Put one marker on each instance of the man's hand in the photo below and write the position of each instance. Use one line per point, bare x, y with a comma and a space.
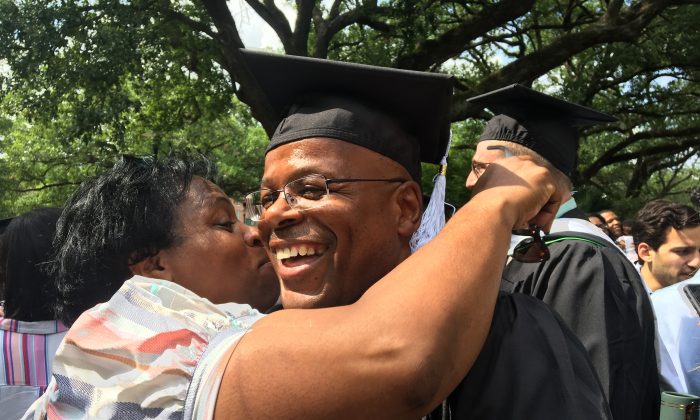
528, 192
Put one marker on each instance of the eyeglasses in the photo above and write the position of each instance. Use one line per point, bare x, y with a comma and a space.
532, 249
301, 194
478, 168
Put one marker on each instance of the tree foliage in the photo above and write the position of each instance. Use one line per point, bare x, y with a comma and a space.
84, 81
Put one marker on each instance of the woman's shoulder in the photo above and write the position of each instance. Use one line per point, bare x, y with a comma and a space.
148, 338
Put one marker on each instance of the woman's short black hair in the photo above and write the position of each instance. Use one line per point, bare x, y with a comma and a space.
28, 290
121, 217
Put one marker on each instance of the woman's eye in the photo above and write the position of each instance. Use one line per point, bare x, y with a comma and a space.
228, 224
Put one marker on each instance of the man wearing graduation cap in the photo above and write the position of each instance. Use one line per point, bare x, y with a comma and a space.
586, 279
340, 201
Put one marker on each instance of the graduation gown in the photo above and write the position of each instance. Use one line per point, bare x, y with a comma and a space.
599, 295
531, 367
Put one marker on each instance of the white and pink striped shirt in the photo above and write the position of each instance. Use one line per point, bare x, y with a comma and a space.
154, 350
28, 350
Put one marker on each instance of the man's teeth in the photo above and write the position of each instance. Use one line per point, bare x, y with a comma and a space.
301, 250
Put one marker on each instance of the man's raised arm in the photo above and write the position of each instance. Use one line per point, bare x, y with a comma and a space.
411, 338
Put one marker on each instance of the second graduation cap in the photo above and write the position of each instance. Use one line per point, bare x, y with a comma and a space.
401, 114
542, 123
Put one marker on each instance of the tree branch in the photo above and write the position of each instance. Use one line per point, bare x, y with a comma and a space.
452, 42
368, 14
300, 38
648, 165
613, 155
613, 12
230, 44
196, 26
43, 187
629, 26
276, 19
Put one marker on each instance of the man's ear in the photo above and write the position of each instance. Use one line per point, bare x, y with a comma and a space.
151, 267
644, 252
410, 204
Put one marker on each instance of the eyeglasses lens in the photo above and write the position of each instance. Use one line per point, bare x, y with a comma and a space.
479, 168
301, 194
306, 192
253, 208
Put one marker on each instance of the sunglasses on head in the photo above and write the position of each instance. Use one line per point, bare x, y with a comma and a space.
531, 249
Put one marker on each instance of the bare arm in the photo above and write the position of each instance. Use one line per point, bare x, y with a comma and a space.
410, 339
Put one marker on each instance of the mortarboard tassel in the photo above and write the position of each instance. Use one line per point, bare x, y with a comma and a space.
433, 219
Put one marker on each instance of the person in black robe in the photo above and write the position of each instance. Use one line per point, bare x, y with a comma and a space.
587, 280
532, 366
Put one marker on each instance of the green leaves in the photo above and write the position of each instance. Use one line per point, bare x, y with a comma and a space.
82, 82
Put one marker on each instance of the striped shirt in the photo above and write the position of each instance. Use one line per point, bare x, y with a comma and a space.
28, 350
154, 350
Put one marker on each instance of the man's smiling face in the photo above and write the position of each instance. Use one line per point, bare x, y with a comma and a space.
331, 254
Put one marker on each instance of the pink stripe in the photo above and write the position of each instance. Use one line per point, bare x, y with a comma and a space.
24, 359
39, 361
18, 359
30, 359
17, 369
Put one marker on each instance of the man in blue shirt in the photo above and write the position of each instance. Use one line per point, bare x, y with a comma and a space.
678, 331
667, 235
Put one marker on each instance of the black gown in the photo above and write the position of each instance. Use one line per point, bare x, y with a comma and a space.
531, 367
599, 295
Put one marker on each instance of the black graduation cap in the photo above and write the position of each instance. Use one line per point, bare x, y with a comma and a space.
401, 114
540, 122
